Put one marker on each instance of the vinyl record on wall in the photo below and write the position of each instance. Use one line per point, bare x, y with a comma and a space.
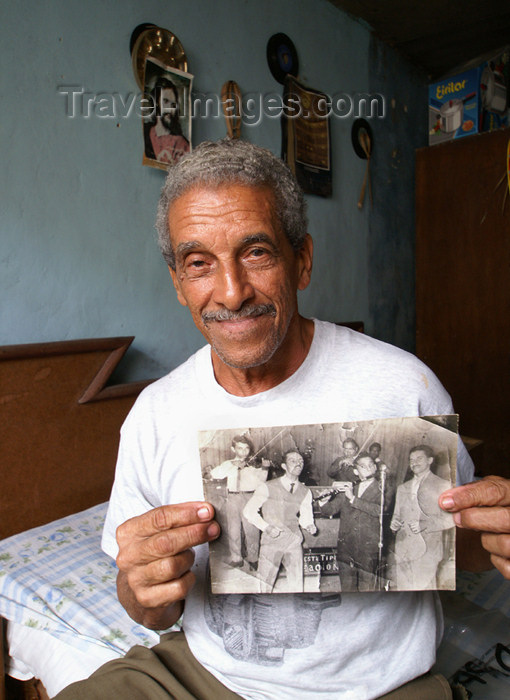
282, 57
360, 126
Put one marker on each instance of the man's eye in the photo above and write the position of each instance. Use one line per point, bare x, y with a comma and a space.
195, 267
257, 252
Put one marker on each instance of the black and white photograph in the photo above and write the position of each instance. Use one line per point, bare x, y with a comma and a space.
332, 507
167, 124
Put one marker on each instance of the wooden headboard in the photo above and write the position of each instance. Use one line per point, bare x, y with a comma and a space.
59, 428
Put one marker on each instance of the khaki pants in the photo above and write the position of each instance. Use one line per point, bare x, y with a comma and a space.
170, 671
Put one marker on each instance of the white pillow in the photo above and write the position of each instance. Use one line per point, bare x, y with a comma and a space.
34, 653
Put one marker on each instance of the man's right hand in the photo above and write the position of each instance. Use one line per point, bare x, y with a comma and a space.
155, 559
396, 525
272, 531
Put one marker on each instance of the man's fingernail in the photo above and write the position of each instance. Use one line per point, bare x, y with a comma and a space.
203, 513
447, 502
213, 530
457, 519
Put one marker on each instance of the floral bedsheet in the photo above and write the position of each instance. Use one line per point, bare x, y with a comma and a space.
56, 578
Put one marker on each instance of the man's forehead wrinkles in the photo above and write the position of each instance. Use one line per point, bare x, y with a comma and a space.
202, 221
211, 202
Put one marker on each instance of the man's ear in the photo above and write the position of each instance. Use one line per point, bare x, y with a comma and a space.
175, 280
305, 256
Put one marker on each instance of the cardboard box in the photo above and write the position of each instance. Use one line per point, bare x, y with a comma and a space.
470, 102
494, 88
454, 107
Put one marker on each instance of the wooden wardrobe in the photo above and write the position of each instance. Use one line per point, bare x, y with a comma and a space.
463, 283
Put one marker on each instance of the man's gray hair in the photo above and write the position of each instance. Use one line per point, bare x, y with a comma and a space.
234, 162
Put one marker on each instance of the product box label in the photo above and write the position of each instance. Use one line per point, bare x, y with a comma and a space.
454, 107
470, 102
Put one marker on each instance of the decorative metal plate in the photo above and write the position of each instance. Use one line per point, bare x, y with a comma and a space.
150, 40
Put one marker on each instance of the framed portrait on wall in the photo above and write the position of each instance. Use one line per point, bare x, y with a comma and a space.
167, 114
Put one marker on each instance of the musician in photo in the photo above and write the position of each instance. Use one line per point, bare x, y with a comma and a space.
375, 452
342, 469
419, 523
361, 507
280, 508
243, 478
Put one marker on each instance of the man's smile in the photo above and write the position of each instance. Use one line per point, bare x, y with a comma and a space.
248, 311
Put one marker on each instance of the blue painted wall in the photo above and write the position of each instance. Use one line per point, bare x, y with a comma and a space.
77, 250
390, 254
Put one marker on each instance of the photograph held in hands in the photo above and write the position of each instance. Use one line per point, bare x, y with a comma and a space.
332, 507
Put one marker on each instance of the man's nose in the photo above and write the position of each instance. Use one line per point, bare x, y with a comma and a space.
232, 287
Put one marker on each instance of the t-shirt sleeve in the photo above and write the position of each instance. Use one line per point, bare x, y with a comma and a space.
465, 466
130, 494
436, 401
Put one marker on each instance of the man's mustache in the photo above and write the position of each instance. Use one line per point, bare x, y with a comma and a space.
247, 311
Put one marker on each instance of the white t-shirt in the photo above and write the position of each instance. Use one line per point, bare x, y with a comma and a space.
355, 646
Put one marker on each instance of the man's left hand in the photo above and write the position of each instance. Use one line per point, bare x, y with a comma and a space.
484, 506
415, 526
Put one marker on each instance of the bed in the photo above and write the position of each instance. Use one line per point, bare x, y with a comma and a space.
60, 417
59, 426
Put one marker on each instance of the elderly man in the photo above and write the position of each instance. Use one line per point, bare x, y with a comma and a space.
233, 231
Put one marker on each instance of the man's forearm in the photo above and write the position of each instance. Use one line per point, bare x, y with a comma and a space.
152, 618
251, 510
